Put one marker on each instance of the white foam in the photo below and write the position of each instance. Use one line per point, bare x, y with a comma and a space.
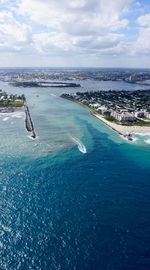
134, 139
31, 138
80, 145
5, 119
17, 114
147, 141
12, 114
142, 134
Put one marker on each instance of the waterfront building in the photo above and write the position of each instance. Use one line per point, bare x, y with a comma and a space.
123, 117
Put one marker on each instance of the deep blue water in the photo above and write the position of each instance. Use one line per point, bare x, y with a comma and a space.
90, 212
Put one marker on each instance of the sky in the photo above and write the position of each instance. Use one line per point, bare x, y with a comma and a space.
75, 33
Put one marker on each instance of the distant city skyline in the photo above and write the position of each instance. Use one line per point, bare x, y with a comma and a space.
75, 33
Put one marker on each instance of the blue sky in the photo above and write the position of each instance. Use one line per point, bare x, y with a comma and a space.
98, 33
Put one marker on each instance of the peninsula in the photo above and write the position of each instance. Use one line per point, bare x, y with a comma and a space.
43, 84
10, 102
126, 112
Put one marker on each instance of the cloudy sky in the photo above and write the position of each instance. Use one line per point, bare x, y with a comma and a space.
94, 33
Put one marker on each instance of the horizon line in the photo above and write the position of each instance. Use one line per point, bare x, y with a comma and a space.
62, 67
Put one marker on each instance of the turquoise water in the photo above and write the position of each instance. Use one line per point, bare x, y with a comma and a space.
61, 208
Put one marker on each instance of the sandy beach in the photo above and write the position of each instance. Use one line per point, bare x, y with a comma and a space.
123, 130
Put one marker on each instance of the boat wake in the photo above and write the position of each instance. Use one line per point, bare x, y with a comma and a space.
6, 118
31, 138
80, 145
147, 141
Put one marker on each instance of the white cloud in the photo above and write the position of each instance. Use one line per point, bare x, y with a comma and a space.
13, 35
68, 29
63, 43
76, 25
144, 20
77, 17
52, 42
100, 42
142, 44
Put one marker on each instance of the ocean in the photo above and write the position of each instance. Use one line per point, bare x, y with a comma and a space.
77, 197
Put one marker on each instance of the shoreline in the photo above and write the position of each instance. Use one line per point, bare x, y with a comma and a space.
11, 109
120, 129
124, 130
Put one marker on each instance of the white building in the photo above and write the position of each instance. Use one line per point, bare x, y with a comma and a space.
123, 117
147, 115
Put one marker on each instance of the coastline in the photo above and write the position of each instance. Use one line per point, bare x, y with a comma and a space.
11, 109
124, 130
121, 130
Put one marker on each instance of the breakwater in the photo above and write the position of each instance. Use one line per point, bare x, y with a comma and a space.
28, 122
